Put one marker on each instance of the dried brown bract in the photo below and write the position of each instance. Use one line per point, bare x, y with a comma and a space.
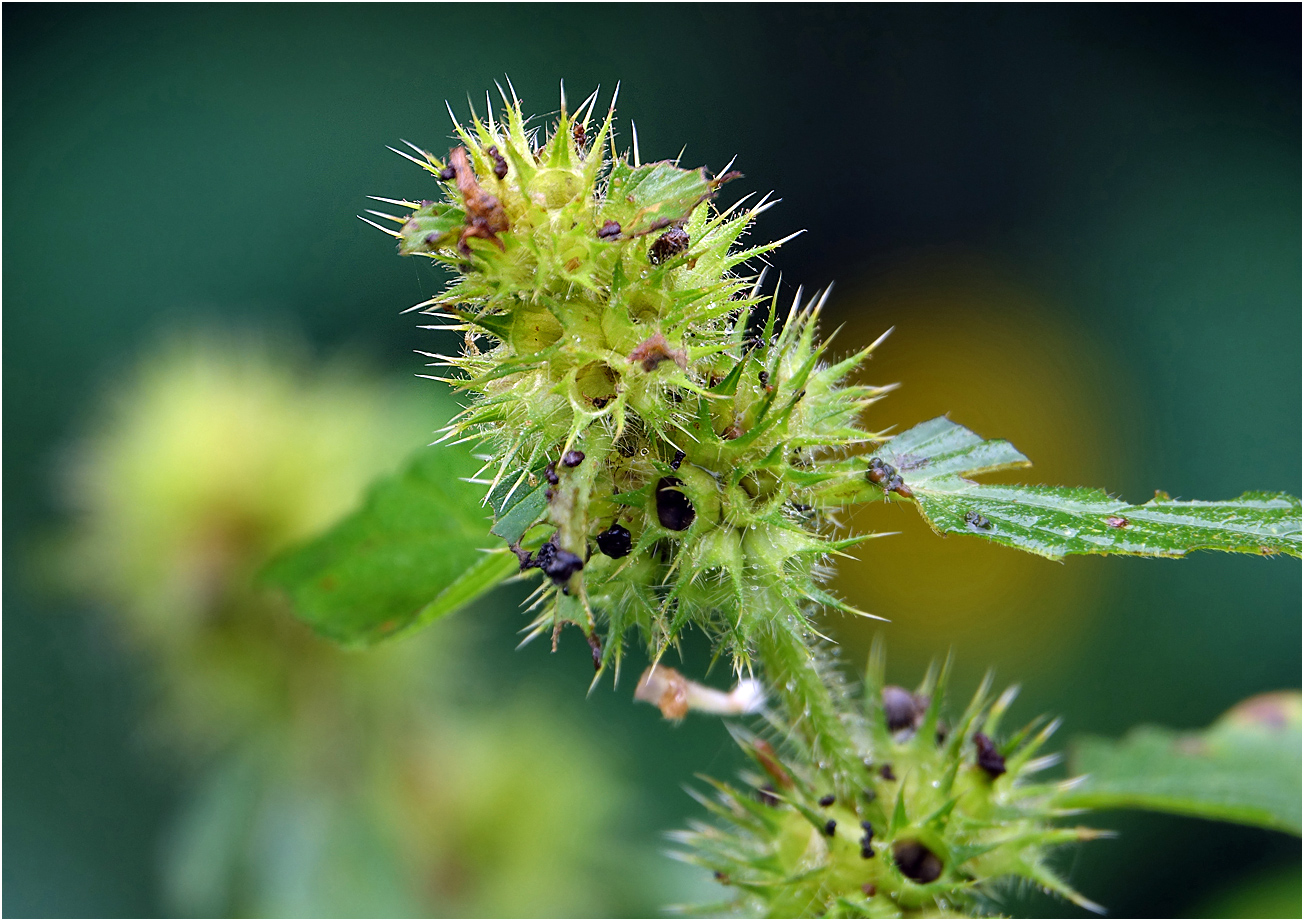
656, 349
485, 217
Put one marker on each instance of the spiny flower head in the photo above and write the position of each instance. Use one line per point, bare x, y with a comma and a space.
657, 453
947, 813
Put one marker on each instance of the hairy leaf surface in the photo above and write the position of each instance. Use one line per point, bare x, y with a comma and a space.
1244, 768
935, 459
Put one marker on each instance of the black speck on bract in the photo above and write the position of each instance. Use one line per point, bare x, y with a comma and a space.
989, 759
500, 165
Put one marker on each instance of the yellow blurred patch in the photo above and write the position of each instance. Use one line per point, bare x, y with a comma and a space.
975, 345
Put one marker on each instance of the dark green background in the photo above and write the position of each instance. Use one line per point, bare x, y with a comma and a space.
1138, 165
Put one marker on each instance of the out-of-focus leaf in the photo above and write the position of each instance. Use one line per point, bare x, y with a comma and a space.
935, 458
1245, 768
412, 553
484, 575
1274, 893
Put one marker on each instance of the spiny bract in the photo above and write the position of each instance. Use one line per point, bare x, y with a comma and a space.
946, 813
662, 442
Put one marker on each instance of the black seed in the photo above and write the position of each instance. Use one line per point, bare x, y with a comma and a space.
610, 230
549, 493
447, 173
900, 708
561, 565
677, 460
866, 851
550, 473
615, 542
500, 165
674, 509
886, 772
830, 827
764, 378
573, 458
989, 759
916, 862
667, 246
828, 799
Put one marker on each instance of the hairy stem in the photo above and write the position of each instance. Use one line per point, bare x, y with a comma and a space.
797, 677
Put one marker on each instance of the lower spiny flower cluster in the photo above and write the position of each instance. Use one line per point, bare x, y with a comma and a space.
942, 815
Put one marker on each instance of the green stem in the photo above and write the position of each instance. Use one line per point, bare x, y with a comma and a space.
796, 677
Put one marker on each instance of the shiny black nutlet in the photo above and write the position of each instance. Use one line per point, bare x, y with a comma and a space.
615, 542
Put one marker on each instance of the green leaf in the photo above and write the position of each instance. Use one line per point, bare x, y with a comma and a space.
409, 555
1245, 768
655, 195
525, 507
935, 458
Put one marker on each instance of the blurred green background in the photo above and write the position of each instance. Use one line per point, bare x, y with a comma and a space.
1084, 223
